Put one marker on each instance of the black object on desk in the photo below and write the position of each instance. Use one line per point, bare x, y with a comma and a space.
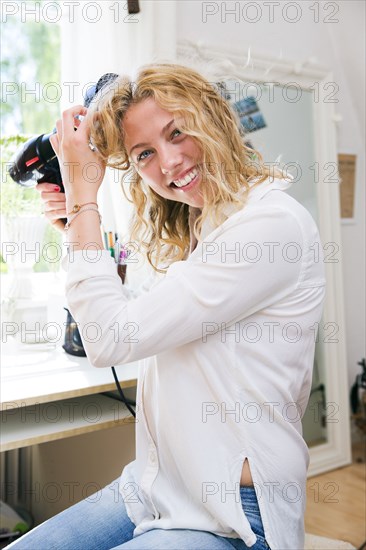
73, 344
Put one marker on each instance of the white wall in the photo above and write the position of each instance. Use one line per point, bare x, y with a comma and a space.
334, 37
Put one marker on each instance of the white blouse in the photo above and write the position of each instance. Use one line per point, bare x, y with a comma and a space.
225, 343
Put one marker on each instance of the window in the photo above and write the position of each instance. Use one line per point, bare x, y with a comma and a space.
31, 249
30, 104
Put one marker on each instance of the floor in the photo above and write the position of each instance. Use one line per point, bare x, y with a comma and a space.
336, 501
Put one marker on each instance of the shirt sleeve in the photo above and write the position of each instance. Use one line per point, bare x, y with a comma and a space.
249, 264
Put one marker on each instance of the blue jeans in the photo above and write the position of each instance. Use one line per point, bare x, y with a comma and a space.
103, 524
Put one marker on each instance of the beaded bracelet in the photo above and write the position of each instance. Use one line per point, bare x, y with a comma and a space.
69, 222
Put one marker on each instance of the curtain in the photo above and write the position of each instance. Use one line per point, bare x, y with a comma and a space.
100, 37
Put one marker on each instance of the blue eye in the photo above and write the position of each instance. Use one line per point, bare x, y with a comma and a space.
145, 154
141, 155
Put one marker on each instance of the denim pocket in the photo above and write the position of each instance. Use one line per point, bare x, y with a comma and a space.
251, 509
262, 543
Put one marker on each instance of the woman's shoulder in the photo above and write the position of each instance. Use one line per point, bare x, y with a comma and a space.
266, 203
272, 195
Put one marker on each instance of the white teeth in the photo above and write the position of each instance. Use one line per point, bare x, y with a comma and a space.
187, 179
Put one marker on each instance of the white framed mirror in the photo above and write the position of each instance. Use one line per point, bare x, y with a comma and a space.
296, 106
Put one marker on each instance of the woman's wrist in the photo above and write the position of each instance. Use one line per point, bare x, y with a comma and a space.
77, 199
79, 206
83, 229
79, 210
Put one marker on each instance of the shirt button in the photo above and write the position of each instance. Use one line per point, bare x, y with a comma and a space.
152, 457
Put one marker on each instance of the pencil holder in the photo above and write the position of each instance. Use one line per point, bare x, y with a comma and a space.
121, 254
121, 270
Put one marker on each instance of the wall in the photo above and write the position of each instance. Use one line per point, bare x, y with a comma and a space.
72, 469
328, 33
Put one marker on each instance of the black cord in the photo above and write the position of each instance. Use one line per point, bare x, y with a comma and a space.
122, 395
112, 395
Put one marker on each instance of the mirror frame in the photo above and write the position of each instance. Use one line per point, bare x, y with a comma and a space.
336, 451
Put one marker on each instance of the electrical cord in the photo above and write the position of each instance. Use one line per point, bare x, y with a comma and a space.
124, 400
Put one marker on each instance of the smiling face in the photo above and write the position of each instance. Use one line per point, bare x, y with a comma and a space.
166, 159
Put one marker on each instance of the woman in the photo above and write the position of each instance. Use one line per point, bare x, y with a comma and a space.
225, 333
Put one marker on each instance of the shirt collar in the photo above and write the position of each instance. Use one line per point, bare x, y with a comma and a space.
256, 193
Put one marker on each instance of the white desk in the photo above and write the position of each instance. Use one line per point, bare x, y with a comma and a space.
47, 394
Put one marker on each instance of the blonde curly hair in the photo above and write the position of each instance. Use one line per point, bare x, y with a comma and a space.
159, 225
